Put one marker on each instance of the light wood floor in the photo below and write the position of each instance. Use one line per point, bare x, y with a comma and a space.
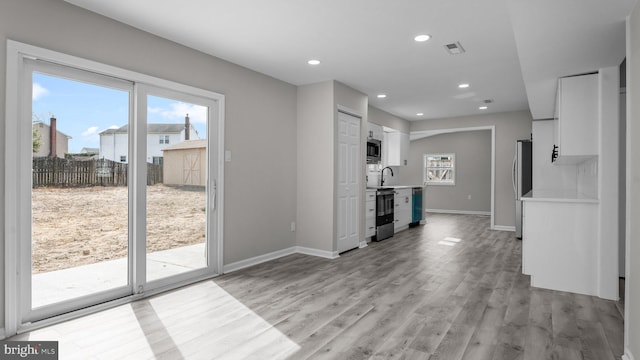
413, 296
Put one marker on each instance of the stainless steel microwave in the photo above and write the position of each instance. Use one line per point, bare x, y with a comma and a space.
374, 151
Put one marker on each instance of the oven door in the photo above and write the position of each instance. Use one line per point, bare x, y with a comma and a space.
384, 208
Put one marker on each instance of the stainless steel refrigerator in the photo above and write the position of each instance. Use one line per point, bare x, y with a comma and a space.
522, 178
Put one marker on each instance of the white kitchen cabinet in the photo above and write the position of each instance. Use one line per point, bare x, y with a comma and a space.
402, 212
560, 245
576, 126
370, 214
375, 132
395, 149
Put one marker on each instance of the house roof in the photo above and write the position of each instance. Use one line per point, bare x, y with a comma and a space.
42, 123
90, 150
151, 129
188, 144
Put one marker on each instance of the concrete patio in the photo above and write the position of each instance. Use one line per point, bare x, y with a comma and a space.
60, 285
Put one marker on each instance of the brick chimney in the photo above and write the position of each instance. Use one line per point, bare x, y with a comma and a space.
187, 127
53, 137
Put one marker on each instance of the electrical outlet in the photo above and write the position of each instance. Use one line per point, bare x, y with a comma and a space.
293, 226
468, 197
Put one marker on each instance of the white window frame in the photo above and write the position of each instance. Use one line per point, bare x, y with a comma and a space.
164, 139
426, 168
18, 183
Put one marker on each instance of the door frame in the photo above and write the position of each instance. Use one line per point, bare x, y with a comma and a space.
346, 110
419, 134
15, 186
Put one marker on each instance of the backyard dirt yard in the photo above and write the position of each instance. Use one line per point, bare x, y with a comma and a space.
77, 226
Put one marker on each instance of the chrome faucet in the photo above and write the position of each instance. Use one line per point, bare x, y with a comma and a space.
382, 175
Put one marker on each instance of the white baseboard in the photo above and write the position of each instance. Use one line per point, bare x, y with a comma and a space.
315, 252
278, 254
460, 212
504, 228
627, 355
363, 244
259, 259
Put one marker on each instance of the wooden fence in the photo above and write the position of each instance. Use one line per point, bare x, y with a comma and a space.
57, 172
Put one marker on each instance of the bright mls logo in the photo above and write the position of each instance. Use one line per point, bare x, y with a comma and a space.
30, 350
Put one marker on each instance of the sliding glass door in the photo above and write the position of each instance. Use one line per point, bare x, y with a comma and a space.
122, 198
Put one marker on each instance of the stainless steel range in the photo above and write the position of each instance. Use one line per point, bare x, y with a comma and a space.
384, 214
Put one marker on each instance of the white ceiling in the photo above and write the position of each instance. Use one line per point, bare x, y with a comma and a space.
368, 45
557, 38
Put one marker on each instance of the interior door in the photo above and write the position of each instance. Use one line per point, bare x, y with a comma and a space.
349, 168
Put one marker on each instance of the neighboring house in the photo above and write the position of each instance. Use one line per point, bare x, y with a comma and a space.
185, 163
88, 150
114, 142
45, 138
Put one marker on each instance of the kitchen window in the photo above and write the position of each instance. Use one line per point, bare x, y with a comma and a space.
440, 169
164, 139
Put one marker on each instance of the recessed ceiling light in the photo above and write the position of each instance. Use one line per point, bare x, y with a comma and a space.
313, 62
422, 38
382, 96
463, 86
419, 114
483, 107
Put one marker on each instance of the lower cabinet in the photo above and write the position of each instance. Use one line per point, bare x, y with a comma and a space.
402, 211
560, 245
370, 214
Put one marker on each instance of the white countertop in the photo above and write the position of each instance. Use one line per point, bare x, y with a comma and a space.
394, 187
558, 196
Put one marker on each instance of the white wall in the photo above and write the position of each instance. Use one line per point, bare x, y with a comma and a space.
315, 159
632, 303
260, 114
607, 181
509, 127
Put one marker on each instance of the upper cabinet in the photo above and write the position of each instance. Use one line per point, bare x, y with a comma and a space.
375, 132
395, 149
576, 123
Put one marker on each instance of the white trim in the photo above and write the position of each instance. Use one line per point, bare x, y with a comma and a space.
461, 212
258, 259
316, 252
3, 334
415, 135
11, 181
15, 223
627, 355
504, 228
629, 180
238, 265
363, 244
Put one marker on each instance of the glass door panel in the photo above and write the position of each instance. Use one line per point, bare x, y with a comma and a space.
79, 198
176, 209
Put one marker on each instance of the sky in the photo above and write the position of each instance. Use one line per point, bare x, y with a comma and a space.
84, 110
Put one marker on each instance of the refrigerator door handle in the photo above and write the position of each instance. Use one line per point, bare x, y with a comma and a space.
513, 173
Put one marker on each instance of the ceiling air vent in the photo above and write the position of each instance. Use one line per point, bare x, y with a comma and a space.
487, 101
454, 48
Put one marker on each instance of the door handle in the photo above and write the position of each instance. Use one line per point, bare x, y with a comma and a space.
214, 195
